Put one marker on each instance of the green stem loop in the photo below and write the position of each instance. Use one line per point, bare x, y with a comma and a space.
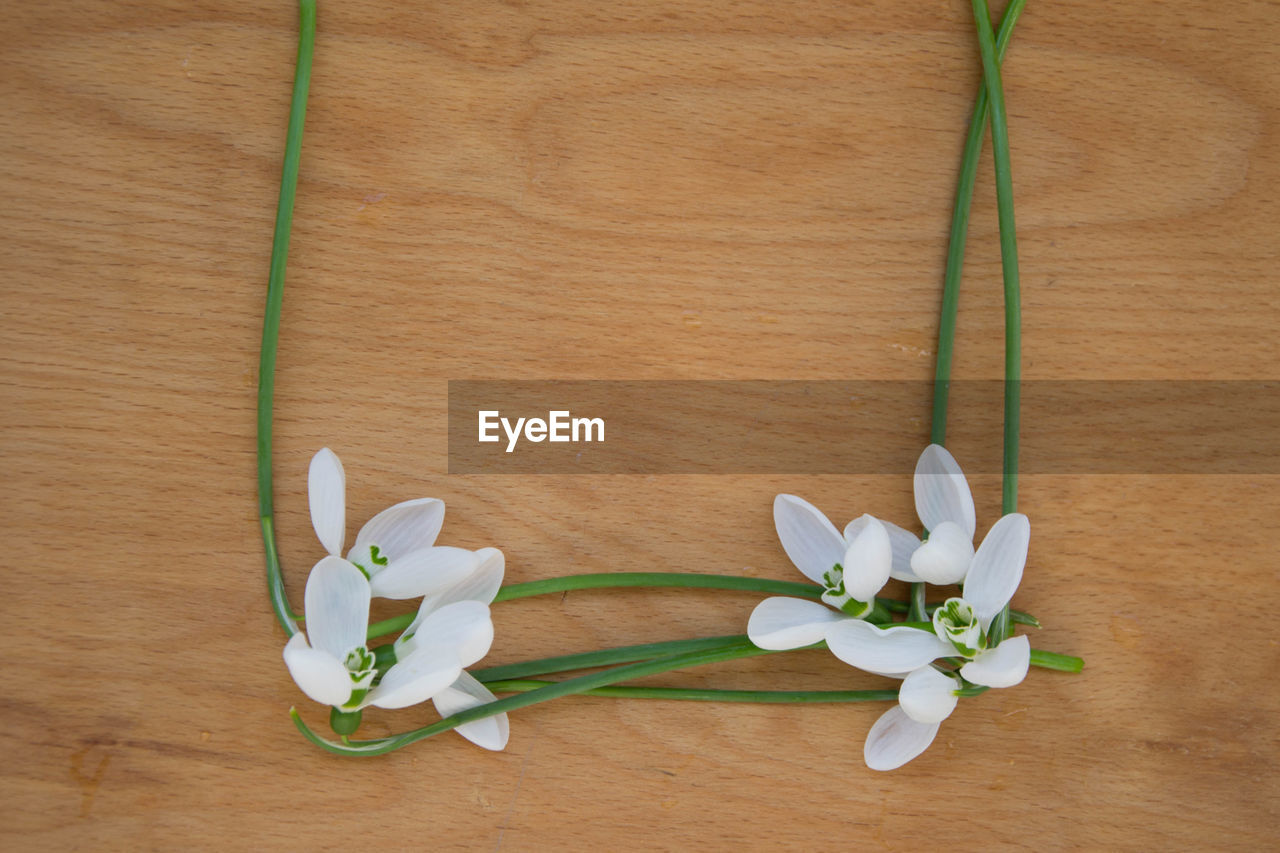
275, 300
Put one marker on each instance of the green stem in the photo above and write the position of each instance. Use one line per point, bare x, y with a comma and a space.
608, 580
918, 610
556, 690
709, 695
1008, 253
1009, 263
613, 580
955, 260
649, 651
604, 657
740, 648
275, 299
1053, 660
972, 690
959, 233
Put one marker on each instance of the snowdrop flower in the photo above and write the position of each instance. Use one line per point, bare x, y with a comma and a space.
396, 549
332, 665
960, 629
465, 692
945, 506
852, 567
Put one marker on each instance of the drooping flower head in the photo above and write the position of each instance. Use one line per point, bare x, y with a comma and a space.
852, 567
961, 629
395, 556
332, 665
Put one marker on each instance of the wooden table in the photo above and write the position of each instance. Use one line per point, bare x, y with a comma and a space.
653, 190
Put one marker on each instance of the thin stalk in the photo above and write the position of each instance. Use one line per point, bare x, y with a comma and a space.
604, 657
650, 651
613, 580
917, 611
606, 580
1009, 264
380, 746
959, 234
955, 258
275, 299
1008, 253
559, 689
709, 695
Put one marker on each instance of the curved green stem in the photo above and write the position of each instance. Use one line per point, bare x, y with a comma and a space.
1009, 263
959, 234
710, 695
275, 299
556, 690
955, 260
740, 648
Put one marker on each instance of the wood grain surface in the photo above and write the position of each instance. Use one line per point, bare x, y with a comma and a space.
624, 190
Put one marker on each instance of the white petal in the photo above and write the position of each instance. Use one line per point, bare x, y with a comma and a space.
867, 647
404, 528
491, 732
423, 572
327, 494
946, 556
997, 567
1003, 666
336, 605
928, 696
789, 623
868, 559
321, 676
942, 494
463, 628
895, 739
481, 585
809, 538
417, 678
904, 544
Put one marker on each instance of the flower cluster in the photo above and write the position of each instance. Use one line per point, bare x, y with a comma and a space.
854, 566
395, 556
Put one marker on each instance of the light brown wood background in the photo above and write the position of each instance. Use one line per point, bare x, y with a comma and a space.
614, 190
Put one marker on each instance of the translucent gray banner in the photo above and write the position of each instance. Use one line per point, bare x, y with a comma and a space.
857, 427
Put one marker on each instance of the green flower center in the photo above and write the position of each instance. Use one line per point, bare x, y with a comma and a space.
956, 622
835, 595
369, 560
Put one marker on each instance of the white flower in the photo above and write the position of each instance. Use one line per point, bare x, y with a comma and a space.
465, 692
852, 567
945, 507
961, 628
396, 549
332, 665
